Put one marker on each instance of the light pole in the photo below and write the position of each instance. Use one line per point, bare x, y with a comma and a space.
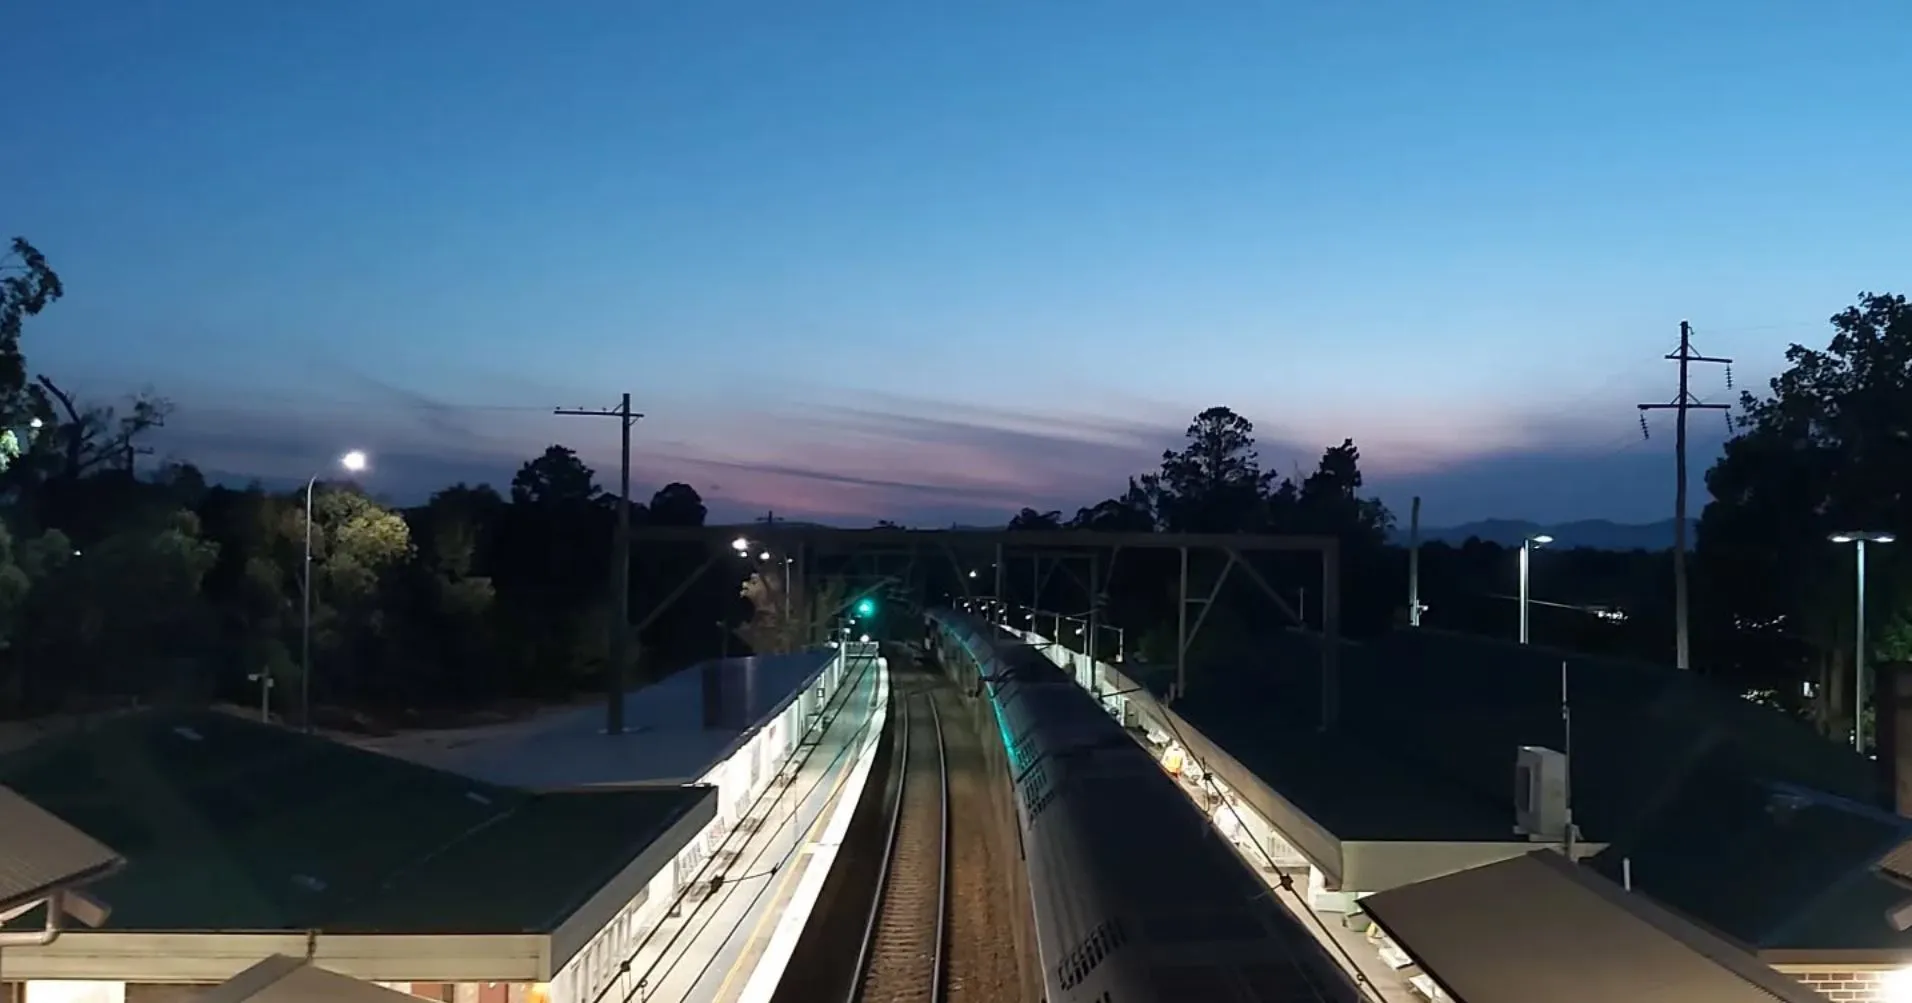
1860, 538
353, 462
1527, 547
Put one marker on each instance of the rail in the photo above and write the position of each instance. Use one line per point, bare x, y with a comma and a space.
901, 959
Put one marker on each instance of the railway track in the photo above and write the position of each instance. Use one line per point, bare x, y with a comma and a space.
902, 959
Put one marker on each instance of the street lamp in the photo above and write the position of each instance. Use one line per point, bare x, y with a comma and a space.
353, 462
1527, 547
740, 545
1860, 538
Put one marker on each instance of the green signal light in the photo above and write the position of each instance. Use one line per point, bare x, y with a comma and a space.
865, 607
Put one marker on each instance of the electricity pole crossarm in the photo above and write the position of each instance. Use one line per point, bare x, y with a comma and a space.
1683, 402
621, 598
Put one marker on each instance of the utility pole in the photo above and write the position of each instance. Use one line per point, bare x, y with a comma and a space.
1680, 405
621, 578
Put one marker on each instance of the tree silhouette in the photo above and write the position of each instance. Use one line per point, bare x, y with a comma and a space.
1214, 484
1825, 449
557, 479
1029, 519
677, 504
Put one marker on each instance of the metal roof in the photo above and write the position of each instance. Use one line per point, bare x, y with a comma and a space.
1536, 927
665, 740
279, 979
228, 824
40, 854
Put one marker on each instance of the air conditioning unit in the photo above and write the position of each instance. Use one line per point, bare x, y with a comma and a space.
1540, 793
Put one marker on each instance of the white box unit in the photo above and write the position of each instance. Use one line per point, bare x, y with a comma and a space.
1540, 793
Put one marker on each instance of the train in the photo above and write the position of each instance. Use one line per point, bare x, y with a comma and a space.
1137, 899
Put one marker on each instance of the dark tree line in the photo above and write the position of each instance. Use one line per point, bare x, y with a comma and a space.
1826, 449
116, 587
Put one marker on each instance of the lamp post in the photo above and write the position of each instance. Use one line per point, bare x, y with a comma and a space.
353, 462
1527, 547
1860, 538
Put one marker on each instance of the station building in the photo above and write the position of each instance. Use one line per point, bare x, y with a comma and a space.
244, 841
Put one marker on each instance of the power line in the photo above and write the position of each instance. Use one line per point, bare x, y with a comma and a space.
1680, 405
621, 620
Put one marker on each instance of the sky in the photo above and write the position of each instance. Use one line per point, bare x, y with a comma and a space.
935, 261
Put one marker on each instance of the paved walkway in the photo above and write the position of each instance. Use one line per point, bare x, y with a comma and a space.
705, 954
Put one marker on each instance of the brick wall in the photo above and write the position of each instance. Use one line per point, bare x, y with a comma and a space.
1844, 985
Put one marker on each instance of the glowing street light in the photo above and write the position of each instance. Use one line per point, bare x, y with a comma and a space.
1860, 538
1527, 547
353, 462
740, 545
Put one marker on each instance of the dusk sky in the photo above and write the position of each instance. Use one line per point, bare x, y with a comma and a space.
936, 260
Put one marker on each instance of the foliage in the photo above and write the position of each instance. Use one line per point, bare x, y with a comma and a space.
1824, 449
777, 626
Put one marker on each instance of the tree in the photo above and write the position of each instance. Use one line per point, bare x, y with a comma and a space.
677, 504
1329, 500
123, 616
1215, 484
96, 437
1824, 449
356, 545
776, 627
556, 479
28, 285
1031, 520
1133, 512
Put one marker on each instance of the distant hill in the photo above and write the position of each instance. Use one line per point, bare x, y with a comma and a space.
1598, 534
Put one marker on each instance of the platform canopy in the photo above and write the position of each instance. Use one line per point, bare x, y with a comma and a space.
41, 855
1536, 927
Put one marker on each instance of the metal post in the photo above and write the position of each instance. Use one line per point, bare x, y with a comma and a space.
1181, 627
1859, 658
621, 627
305, 623
1526, 547
1035, 589
1095, 608
997, 594
1330, 635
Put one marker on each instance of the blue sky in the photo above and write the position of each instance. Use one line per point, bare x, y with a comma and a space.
938, 260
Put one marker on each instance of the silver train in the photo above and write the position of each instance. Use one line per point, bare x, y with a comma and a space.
1137, 899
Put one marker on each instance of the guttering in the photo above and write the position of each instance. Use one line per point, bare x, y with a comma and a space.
46, 935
